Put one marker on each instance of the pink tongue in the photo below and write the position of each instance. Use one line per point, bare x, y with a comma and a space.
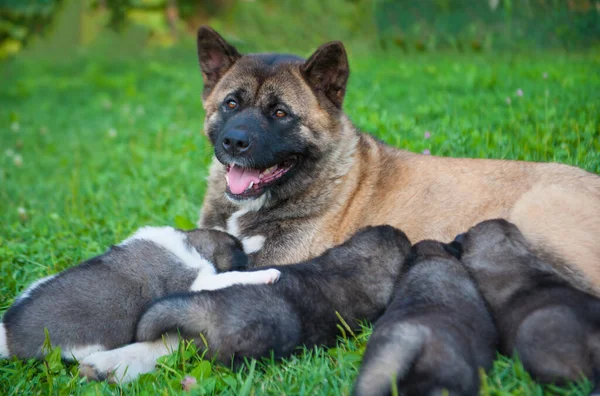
240, 179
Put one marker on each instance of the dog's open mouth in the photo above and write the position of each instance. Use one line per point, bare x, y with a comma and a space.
247, 183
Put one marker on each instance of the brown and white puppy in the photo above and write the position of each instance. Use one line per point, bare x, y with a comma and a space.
290, 166
553, 327
435, 334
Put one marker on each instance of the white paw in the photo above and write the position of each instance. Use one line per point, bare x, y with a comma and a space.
116, 366
269, 276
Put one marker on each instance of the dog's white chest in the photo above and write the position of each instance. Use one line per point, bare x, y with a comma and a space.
252, 244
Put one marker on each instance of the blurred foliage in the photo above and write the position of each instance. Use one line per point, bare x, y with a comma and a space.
284, 25
22, 19
483, 24
290, 24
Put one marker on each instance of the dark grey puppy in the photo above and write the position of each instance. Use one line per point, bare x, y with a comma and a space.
554, 328
434, 335
355, 279
96, 305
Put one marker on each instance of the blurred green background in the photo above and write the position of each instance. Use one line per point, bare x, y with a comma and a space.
61, 26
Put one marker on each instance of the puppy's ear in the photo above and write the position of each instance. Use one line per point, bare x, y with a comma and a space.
215, 55
327, 70
455, 248
239, 261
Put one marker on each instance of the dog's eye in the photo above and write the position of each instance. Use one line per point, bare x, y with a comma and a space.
232, 104
280, 113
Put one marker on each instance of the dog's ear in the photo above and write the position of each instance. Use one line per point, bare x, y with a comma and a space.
215, 55
327, 70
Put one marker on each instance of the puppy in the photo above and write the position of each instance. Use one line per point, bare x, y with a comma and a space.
355, 280
435, 333
95, 306
554, 328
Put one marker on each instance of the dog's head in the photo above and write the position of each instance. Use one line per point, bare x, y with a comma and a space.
270, 117
223, 250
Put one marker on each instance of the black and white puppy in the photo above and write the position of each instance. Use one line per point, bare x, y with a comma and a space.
95, 306
435, 334
355, 279
554, 328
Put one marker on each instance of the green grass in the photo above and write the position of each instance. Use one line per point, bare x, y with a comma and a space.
94, 148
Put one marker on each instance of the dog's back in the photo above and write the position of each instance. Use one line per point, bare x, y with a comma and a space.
435, 334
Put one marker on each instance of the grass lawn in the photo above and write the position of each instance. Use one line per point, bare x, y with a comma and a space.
95, 148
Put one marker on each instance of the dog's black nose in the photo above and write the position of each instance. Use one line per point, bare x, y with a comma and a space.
460, 238
236, 142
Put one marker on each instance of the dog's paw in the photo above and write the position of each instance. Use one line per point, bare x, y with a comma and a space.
270, 276
99, 366
115, 366
90, 373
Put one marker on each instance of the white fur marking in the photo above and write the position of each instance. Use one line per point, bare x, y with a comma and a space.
250, 205
226, 279
233, 227
175, 242
32, 287
79, 353
3, 342
126, 363
253, 244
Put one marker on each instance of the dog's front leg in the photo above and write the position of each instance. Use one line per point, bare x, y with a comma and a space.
226, 279
125, 364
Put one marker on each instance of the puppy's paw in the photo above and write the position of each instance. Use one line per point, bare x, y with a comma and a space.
99, 367
116, 366
270, 276
90, 373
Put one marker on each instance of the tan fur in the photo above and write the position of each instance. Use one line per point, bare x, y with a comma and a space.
557, 207
360, 181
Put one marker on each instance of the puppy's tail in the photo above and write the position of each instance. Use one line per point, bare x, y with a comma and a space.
186, 313
390, 355
3, 342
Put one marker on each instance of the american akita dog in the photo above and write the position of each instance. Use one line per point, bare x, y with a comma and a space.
96, 305
290, 166
553, 327
355, 280
435, 334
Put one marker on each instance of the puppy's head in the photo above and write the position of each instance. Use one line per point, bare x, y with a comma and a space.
429, 249
385, 244
491, 243
220, 248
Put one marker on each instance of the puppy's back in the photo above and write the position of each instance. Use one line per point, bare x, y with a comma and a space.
94, 304
554, 327
435, 333
555, 331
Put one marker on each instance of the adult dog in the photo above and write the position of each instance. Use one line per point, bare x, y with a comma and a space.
292, 176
